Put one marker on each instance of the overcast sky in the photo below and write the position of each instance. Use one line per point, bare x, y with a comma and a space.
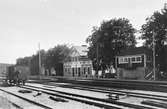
25, 23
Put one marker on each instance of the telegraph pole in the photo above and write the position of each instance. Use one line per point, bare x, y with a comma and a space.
154, 56
39, 61
97, 59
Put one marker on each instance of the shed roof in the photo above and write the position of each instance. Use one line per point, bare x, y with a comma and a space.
135, 51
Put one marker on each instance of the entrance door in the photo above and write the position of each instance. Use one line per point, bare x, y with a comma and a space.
79, 72
73, 72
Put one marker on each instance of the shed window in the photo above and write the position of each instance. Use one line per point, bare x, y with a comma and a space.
138, 59
121, 60
133, 59
125, 59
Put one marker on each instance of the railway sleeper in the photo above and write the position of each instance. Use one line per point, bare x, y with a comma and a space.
58, 99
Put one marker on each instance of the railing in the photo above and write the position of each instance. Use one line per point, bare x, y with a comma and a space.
149, 76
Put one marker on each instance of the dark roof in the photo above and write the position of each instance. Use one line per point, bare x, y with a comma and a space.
134, 51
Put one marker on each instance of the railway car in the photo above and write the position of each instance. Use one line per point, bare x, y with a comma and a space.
17, 75
11, 75
3, 71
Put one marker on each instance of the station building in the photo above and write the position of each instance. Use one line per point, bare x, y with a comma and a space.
134, 63
78, 64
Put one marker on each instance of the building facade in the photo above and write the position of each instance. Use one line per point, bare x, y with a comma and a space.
78, 64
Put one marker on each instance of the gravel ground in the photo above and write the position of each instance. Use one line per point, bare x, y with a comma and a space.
6, 101
44, 99
5, 104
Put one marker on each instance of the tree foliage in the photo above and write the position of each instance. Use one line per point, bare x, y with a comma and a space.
107, 40
23, 61
34, 63
156, 24
53, 58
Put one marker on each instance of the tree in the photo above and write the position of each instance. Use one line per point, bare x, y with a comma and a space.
156, 24
55, 57
34, 62
23, 61
109, 39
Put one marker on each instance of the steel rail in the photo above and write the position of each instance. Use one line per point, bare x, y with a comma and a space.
98, 99
38, 104
75, 99
115, 91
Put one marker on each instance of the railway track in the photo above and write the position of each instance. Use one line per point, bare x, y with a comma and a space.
25, 99
158, 100
115, 91
75, 98
128, 84
105, 103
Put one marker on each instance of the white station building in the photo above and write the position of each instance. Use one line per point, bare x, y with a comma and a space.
78, 64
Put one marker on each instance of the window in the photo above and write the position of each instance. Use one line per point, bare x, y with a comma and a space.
121, 60
84, 70
126, 59
68, 70
72, 59
133, 59
88, 70
72, 71
138, 59
76, 70
148, 58
75, 58
79, 72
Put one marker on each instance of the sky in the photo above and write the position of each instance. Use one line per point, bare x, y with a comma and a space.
26, 23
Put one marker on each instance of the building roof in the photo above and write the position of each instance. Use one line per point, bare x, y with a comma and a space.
134, 51
5, 64
81, 50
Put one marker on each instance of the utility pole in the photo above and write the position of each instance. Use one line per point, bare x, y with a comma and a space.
39, 61
154, 56
165, 6
97, 59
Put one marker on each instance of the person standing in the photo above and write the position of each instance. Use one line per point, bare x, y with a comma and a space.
113, 71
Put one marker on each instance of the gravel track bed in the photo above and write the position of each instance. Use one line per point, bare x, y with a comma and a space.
45, 100
131, 100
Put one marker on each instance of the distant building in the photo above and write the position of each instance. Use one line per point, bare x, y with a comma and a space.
134, 63
78, 64
3, 69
